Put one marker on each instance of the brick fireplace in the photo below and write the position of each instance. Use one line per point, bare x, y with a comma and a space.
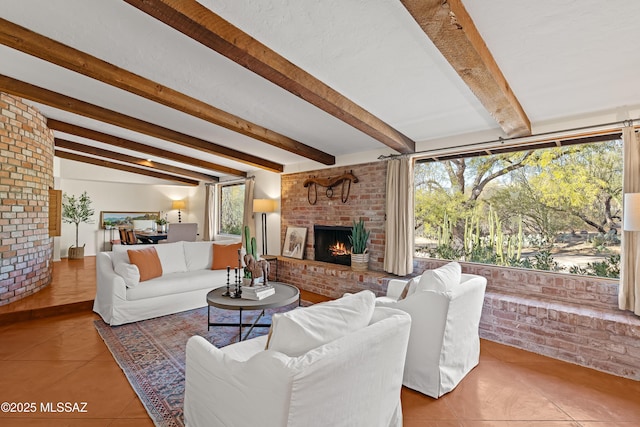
366, 200
331, 244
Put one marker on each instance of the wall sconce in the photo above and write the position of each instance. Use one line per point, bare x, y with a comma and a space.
179, 205
264, 206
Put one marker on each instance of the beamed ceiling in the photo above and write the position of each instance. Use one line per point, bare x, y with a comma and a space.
187, 92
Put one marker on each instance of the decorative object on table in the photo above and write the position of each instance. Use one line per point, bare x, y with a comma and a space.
294, 242
179, 205
359, 251
258, 292
251, 248
312, 183
237, 292
257, 269
161, 224
124, 219
227, 293
76, 211
264, 206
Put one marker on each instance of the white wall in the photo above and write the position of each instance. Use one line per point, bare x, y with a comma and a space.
267, 186
124, 196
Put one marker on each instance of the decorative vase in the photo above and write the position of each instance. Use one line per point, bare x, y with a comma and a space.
360, 262
76, 252
162, 228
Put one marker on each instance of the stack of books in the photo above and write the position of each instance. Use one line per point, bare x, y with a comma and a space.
257, 292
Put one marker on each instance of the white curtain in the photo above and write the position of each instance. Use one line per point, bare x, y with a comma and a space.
248, 218
629, 289
398, 250
209, 212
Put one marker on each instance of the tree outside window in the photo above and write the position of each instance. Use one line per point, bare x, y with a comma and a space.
231, 208
556, 209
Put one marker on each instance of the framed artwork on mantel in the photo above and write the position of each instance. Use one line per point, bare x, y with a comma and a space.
124, 219
294, 242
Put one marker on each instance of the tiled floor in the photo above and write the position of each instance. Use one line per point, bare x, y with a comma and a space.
63, 359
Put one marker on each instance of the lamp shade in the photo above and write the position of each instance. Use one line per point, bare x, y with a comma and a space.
631, 215
178, 204
264, 205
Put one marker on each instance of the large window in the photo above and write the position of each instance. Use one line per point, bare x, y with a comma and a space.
553, 209
230, 208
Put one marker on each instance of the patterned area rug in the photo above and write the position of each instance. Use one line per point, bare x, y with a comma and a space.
152, 354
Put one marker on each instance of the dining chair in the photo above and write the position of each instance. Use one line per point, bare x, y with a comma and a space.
186, 231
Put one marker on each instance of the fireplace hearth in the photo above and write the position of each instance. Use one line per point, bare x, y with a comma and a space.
331, 244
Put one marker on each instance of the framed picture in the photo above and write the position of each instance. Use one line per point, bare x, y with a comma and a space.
112, 219
294, 242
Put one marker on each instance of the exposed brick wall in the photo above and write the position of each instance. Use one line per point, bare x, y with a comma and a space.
567, 317
327, 279
26, 153
366, 201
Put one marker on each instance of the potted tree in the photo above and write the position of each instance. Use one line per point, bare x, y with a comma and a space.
75, 211
358, 239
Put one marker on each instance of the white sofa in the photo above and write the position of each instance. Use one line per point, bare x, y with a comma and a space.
186, 279
445, 307
352, 380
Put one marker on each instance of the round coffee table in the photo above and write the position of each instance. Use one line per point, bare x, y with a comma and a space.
285, 295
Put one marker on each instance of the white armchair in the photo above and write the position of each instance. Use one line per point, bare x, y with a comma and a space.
354, 380
444, 344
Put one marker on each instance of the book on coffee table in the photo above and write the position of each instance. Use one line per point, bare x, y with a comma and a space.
250, 293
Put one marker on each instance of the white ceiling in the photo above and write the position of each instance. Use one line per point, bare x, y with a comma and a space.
562, 58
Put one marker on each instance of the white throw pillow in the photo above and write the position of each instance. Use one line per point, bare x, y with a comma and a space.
198, 255
129, 273
171, 257
441, 279
296, 332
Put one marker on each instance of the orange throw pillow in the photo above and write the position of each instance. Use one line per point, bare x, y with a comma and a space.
225, 255
147, 262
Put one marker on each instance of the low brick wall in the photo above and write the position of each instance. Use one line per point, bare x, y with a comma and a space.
566, 317
331, 280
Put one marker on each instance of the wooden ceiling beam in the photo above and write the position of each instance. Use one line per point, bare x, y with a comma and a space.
449, 26
140, 148
76, 106
86, 149
34, 44
112, 165
201, 24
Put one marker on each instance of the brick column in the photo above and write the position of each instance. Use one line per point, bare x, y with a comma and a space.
26, 174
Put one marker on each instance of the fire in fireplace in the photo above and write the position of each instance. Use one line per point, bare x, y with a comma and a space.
331, 244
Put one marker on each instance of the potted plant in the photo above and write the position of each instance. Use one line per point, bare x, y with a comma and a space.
75, 211
359, 252
162, 225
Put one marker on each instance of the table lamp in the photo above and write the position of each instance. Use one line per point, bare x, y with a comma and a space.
264, 206
179, 205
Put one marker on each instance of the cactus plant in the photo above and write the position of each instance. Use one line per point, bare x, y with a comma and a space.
251, 247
